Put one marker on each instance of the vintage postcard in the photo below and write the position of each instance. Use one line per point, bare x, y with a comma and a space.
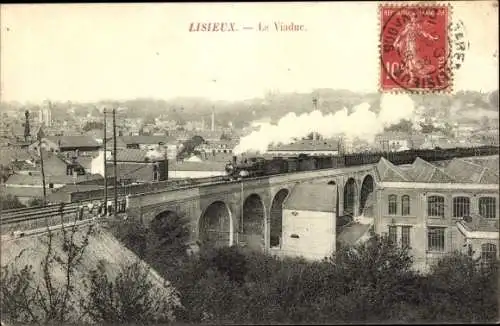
249, 163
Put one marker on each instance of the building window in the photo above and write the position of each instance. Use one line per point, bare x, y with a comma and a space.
405, 205
435, 206
393, 204
435, 239
487, 207
405, 236
393, 234
461, 206
488, 253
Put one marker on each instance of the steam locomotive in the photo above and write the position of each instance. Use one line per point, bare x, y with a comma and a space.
259, 166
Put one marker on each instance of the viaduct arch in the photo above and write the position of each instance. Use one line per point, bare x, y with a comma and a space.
367, 188
216, 226
252, 229
276, 223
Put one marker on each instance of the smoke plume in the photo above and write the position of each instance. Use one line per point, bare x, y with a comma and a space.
362, 124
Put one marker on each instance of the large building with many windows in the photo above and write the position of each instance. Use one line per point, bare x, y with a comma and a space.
436, 210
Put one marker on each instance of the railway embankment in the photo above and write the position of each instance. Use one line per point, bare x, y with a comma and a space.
102, 252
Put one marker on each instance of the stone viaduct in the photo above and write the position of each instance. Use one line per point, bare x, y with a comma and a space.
249, 211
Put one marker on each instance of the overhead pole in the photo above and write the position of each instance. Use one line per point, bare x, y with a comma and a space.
105, 170
114, 165
40, 140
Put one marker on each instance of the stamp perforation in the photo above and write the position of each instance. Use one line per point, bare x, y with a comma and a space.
449, 51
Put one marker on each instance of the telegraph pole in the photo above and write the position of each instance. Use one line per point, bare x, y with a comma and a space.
40, 136
114, 164
105, 170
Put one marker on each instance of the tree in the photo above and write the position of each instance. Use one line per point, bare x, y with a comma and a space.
169, 234
372, 276
189, 146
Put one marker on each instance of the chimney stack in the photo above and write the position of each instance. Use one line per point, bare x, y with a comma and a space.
234, 160
213, 119
315, 107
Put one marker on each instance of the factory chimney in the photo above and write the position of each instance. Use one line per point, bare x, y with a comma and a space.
315, 107
213, 119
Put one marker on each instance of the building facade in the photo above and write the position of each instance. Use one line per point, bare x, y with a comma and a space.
426, 208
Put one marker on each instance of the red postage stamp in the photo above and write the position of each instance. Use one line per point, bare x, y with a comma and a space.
414, 48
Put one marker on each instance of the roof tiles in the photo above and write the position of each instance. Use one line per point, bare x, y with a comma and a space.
388, 172
74, 141
469, 172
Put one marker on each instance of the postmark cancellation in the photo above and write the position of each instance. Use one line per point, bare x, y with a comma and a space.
415, 48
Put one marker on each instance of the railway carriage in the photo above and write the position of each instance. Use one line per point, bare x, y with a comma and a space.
259, 166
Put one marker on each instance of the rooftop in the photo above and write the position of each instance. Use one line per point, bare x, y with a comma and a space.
9, 154
388, 172
146, 140
458, 170
467, 171
139, 172
423, 171
36, 180
134, 155
312, 197
74, 141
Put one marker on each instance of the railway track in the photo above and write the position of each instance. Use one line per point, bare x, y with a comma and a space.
38, 231
35, 213
25, 214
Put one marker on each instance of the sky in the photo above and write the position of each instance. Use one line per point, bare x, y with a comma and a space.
90, 52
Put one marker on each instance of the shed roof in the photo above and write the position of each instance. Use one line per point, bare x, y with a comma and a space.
74, 141
36, 180
388, 172
466, 171
312, 197
146, 140
423, 171
490, 162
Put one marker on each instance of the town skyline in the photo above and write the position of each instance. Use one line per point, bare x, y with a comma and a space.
74, 53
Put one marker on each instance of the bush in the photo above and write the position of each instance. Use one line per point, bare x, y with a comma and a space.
461, 290
130, 297
369, 282
230, 262
11, 202
132, 234
35, 202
